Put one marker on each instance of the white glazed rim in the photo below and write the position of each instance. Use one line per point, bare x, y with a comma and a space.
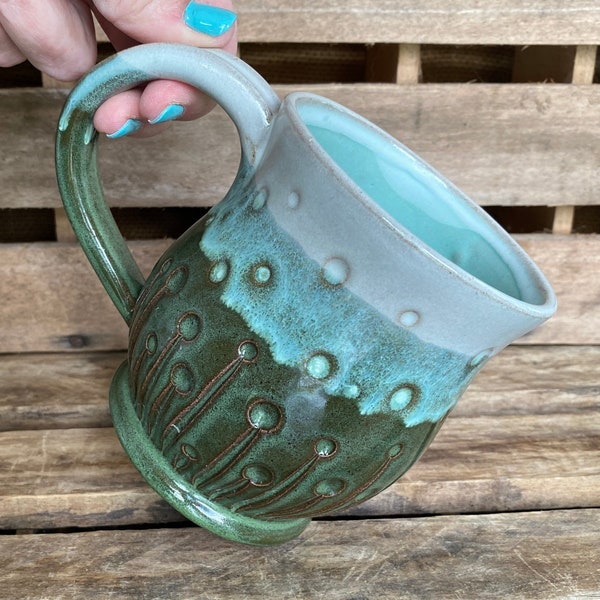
507, 246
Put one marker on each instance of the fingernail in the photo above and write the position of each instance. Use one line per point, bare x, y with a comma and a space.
211, 20
172, 112
130, 126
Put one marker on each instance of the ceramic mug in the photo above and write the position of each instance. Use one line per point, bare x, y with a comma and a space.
297, 349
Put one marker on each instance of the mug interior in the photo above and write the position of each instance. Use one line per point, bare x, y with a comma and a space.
415, 197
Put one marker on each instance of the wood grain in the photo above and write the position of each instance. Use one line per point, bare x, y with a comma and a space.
510, 145
53, 301
523, 437
70, 390
433, 22
540, 555
411, 21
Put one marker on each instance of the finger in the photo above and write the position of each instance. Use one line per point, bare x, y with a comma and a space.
57, 36
10, 55
207, 25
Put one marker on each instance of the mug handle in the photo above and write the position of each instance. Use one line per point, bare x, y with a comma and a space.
246, 97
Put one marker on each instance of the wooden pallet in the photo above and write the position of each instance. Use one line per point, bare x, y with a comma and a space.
504, 504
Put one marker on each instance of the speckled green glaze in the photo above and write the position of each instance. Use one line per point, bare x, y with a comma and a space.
296, 350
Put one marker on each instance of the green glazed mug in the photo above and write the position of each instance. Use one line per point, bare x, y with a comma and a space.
297, 349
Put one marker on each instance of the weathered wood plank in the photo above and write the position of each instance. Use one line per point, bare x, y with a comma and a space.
542, 555
52, 300
525, 436
63, 390
503, 145
68, 390
434, 22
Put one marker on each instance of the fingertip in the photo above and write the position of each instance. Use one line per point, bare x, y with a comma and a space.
112, 116
165, 100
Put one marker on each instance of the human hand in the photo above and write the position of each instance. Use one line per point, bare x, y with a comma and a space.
57, 37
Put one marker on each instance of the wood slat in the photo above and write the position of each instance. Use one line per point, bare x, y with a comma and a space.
542, 555
503, 145
525, 436
411, 21
53, 301
433, 22
67, 390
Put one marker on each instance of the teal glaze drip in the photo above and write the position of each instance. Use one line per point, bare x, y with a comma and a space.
341, 343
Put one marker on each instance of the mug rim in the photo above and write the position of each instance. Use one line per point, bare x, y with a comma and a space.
534, 276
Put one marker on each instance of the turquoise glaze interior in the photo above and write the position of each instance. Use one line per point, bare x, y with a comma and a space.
415, 196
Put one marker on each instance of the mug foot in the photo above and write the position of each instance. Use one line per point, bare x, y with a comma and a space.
157, 471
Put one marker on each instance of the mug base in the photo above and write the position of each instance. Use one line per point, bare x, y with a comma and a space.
178, 492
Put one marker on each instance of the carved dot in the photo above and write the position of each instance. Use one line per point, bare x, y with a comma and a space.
182, 378
248, 351
401, 397
190, 452
480, 358
189, 326
293, 200
320, 366
166, 265
176, 280
409, 318
330, 487
260, 199
219, 271
258, 475
326, 447
151, 343
261, 274
396, 450
264, 416
335, 271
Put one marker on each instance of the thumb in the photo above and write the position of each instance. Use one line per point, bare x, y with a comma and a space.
207, 25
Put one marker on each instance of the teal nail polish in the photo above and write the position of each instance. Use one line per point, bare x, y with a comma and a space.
172, 112
130, 126
211, 20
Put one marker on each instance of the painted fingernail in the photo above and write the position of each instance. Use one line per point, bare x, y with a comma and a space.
130, 126
211, 20
172, 112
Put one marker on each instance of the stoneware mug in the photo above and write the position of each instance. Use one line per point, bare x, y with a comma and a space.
297, 349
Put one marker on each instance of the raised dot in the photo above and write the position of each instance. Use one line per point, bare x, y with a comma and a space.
264, 416
248, 351
330, 487
351, 391
177, 279
293, 200
409, 318
319, 366
219, 271
151, 343
189, 326
335, 271
261, 274
258, 475
260, 199
396, 450
182, 378
401, 397
326, 447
